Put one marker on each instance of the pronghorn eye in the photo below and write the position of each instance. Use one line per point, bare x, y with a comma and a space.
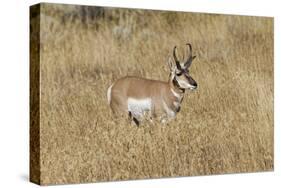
179, 74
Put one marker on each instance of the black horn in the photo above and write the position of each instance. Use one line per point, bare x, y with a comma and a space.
190, 48
176, 59
190, 58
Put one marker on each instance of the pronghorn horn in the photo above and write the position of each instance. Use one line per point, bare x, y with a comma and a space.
190, 48
190, 58
176, 59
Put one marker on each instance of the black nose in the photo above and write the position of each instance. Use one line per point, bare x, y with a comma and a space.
195, 84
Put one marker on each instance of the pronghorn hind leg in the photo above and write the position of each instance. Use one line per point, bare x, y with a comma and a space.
137, 122
132, 118
118, 109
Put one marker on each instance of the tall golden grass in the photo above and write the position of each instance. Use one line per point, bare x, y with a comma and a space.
225, 126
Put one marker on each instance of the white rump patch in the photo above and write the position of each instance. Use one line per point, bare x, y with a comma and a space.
138, 107
109, 94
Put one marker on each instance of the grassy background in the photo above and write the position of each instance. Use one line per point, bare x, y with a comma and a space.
225, 126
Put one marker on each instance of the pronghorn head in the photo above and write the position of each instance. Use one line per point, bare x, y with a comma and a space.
180, 73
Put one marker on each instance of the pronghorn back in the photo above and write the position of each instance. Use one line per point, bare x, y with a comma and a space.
139, 95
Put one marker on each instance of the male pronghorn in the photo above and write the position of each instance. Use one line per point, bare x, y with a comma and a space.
138, 97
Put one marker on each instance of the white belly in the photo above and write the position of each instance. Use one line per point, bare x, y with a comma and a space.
138, 107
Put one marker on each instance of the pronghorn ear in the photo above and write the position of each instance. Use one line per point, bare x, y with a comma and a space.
173, 70
170, 64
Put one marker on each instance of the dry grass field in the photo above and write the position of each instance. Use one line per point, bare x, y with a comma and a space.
225, 126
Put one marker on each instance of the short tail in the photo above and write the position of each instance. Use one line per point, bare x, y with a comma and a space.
109, 94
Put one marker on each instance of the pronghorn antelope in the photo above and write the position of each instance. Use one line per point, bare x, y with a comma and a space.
139, 97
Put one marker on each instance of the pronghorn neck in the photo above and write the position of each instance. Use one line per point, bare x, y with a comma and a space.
176, 90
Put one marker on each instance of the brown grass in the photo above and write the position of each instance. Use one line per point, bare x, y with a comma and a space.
225, 126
